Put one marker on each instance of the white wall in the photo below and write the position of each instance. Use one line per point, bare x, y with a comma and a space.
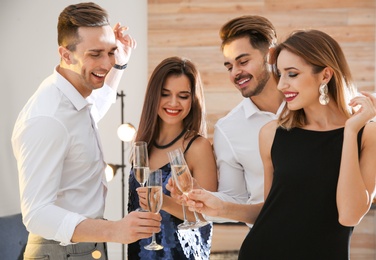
29, 53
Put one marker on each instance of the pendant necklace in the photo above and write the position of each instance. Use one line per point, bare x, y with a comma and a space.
172, 142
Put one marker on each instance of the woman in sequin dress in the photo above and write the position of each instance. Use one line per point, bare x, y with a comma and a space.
173, 117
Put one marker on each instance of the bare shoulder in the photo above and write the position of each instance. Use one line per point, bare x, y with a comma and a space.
200, 149
370, 126
200, 152
369, 133
200, 145
268, 130
266, 135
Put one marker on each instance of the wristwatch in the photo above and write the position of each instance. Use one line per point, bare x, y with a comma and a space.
120, 67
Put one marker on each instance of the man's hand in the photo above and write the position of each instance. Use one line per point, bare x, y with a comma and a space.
137, 225
134, 226
125, 44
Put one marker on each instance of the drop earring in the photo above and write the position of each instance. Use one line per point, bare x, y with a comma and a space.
324, 98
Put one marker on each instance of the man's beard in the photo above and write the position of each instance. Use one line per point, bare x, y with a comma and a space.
260, 86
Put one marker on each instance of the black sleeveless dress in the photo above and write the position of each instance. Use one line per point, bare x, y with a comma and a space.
299, 219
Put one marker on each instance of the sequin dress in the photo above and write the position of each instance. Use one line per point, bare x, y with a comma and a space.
178, 244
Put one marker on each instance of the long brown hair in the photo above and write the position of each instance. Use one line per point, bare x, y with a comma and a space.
149, 126
320, 51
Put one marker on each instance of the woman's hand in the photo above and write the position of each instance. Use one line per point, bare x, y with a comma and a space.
204, 202
366, 111
372, 97
142, 195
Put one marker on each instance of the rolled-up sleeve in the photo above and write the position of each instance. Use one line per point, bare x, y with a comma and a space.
40, 145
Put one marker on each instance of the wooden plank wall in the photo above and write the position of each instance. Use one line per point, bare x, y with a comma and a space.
190, 28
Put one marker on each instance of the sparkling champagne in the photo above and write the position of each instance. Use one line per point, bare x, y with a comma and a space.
141, 174
154, 198
183, 178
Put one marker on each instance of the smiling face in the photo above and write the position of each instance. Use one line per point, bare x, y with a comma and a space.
93, 57
247, 66
176, 100
297, 81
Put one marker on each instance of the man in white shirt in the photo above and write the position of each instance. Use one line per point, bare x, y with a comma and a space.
57, 147
246, 42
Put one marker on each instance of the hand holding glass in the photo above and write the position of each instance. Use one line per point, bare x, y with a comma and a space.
183, 180
154, 197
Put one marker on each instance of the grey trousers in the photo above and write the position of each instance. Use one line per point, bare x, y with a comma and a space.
40, 248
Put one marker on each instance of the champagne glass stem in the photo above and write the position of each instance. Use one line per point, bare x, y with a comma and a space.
139, 208
153, 245
199, 222
153, 240
196, 216
184, 214
186, 224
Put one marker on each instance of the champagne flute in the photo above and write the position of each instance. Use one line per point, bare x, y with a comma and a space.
186, 224
183, 179
154, 197
140, 164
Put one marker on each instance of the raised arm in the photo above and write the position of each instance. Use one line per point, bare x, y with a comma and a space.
356, 186
125, 44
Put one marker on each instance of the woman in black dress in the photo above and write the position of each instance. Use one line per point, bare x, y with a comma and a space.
318, 158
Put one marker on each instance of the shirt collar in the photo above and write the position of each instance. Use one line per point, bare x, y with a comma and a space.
78, 101
250, 108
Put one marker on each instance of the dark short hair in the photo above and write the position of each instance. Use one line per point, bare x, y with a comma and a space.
75, 16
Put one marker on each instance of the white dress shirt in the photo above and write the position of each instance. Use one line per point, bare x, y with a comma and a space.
59, 158
236, 146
